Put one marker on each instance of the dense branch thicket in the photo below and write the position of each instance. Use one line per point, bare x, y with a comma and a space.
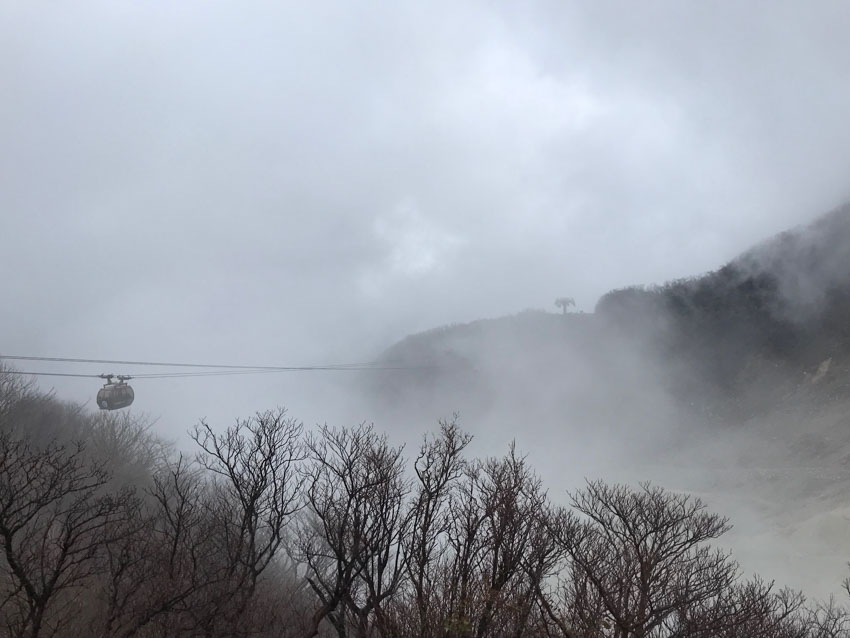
270, 530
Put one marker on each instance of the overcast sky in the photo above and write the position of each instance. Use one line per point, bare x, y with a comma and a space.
276, 182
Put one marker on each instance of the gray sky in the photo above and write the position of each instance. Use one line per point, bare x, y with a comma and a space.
269, 182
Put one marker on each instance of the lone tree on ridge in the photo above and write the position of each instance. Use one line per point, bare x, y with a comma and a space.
564, 303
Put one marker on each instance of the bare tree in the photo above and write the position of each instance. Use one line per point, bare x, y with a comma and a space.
350, 539
125, 442
642, 554
499, 551
438, 467
255, 488
827, 620
55, 519
14, 390
750, 609
513, 499
463, 584
159, 573
544, 561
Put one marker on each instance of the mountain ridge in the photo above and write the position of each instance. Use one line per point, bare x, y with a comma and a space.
772, 315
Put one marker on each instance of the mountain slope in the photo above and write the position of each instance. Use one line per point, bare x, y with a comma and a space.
726, 341
734, 384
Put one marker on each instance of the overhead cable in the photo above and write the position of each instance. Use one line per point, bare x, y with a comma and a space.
337, 366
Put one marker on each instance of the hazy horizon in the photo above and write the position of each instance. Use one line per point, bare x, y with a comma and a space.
300, 183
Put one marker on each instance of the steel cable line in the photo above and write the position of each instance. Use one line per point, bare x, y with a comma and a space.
50, 374
183, 375
172, 375
335, 366
213, 369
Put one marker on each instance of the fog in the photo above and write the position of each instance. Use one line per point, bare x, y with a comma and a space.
298, 184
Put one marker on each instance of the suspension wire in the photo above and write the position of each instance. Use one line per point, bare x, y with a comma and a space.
337, 366
51, 374
222, 370
183, 375
170, 375
352, 368
213, 373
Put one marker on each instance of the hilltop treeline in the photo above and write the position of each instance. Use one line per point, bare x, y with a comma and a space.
787, 300
726, 345
272, 530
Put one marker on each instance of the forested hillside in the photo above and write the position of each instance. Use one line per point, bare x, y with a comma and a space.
786, 301
271, 529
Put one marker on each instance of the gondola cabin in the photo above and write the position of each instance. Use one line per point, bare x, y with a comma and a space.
115, 395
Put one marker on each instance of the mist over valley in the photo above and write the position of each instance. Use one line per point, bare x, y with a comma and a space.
425, 320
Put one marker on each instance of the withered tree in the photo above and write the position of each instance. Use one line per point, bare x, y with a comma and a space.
158, 576
15, 390
56, 518
349, 540
212, 530
641, 555
438, 468
254, 489
501, 549
827, 619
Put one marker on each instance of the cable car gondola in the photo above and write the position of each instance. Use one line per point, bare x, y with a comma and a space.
115, 395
